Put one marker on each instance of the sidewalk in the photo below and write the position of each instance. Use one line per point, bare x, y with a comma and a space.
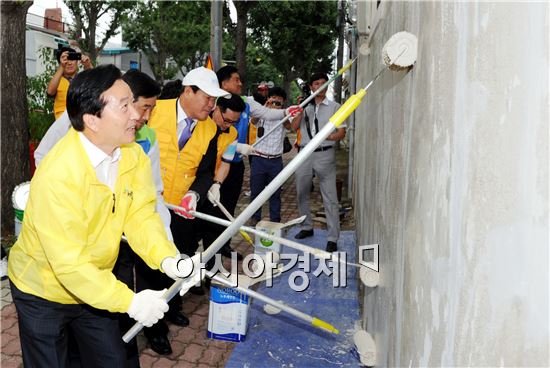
191, 347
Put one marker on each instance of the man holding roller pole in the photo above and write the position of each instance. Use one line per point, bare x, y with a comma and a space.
322, 162
94, 185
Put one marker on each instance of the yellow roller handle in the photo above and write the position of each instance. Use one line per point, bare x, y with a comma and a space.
347, 108
246, 237
346, 67
324, 325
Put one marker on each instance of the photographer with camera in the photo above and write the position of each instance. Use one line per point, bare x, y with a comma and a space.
68, 68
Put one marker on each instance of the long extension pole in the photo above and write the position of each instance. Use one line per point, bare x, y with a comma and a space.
334, 122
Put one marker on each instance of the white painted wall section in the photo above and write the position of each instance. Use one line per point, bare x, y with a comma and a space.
451, 179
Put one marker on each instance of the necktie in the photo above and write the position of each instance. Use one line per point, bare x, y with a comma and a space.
186, 134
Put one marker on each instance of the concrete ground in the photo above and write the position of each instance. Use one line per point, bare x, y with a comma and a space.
191, 347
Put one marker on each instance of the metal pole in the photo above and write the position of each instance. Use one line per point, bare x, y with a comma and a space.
216, 14
351, 120
290, 310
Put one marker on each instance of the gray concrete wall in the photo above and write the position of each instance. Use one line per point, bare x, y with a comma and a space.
451, 178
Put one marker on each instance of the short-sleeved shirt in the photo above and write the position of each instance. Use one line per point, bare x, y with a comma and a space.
322, 113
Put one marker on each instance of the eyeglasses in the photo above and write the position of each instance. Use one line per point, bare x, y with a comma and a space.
276, 103
227, 121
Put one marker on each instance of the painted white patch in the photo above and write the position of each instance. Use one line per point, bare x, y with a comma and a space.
269, 309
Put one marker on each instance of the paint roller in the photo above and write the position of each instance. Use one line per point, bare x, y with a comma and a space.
405, 45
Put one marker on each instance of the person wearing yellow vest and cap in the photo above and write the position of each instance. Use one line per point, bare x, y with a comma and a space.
66, 71
184, 132
93, 186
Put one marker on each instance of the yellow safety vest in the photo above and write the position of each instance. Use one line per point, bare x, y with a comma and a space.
60, 101
178, 168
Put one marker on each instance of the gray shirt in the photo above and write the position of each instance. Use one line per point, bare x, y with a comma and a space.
322, 113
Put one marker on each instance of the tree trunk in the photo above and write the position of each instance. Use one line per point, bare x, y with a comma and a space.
15, 129
242, 8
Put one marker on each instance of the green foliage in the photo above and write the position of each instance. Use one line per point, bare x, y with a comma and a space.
298, 36
40, 105
168, 31
86, 15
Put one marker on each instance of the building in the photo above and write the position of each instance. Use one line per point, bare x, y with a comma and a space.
450, 178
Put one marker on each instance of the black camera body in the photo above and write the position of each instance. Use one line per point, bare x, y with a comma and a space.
74, 56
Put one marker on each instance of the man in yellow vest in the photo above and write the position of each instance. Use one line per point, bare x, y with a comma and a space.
67, 58
184, 133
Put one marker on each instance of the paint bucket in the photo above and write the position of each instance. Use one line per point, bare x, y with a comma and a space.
19, 199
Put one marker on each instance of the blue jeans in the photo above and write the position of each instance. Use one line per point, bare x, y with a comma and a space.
262, 172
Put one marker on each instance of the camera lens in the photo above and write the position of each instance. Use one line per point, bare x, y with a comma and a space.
260, 132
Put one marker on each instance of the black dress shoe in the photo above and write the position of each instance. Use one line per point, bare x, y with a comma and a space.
160, 345
226, 252
331, 246
177, 318
304, 234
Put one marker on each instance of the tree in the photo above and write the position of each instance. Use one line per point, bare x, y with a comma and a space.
86, 15
243, 8
15, 131
170, 31
299, 36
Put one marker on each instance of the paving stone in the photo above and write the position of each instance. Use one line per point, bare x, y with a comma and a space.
197, 322
212, 356
178, 348
12, 348
164, 362
193, 353
6, 339
147, 361
202, 309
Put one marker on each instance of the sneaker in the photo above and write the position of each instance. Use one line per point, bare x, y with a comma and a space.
331, 246
304, 234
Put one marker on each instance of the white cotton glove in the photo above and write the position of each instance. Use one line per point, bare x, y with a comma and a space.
189, 203
214, 194
293, 110
245, 149
147, 307
183, 267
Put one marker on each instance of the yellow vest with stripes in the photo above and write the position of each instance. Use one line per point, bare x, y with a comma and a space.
178, 168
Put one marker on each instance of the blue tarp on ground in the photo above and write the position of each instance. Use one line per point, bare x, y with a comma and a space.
281, 340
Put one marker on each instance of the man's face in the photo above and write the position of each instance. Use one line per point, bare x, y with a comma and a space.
117, 124
233, 84
275, 102
315, 86
225, 119
198, 104
71, 67
144, 106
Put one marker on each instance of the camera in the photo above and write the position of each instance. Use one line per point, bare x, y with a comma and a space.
74, 56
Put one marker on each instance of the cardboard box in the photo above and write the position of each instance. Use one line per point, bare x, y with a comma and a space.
228, 313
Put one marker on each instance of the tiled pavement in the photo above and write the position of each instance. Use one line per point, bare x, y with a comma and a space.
191, 347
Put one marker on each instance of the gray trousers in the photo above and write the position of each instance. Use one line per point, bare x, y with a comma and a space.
323, 163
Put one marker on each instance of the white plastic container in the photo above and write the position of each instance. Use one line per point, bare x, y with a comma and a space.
228, 313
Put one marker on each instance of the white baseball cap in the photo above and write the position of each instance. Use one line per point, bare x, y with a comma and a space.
206, 80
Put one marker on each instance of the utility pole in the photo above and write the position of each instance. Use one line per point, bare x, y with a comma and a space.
216, 15
340, 26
